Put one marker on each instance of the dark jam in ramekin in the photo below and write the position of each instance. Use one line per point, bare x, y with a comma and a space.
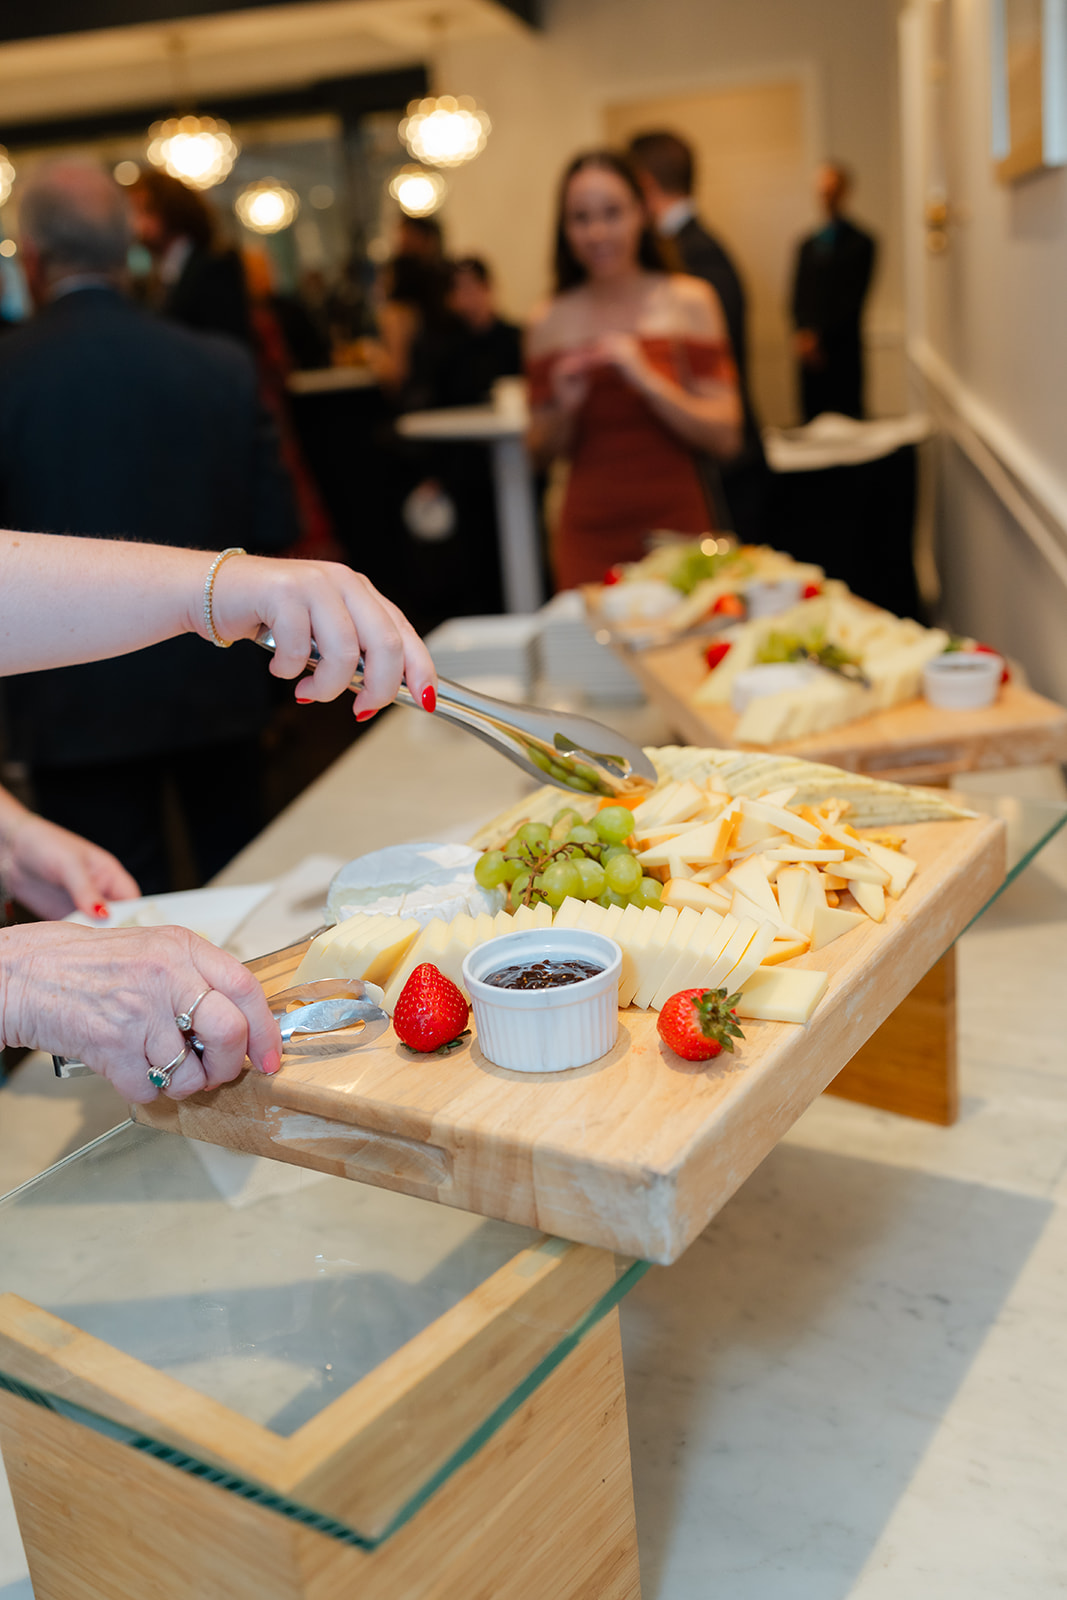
542, 974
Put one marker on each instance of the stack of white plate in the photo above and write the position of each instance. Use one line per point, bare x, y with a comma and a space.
571, 661
475, 650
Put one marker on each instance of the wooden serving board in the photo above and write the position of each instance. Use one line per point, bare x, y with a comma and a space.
912, 743
634, 1153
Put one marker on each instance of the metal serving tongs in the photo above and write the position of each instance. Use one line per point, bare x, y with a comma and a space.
330, 1006
557, 747
849, 670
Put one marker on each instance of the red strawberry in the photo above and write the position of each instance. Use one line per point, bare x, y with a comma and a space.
728, 605
430, 1011
988, 650
699, 1023
613, 575
715, 653
810, 591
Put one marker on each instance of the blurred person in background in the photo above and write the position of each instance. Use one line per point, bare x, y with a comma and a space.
201, 283
117, 424
488, 347
422, 237
274, 361
631, 375
666, 169
833, 272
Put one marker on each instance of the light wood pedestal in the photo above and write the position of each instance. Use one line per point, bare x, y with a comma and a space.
484, 1459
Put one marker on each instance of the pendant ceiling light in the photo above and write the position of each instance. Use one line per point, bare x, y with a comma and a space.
446, 131
198, 150
7, 175
417, 192
267, 206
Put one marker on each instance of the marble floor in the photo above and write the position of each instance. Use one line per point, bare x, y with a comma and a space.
854, 1385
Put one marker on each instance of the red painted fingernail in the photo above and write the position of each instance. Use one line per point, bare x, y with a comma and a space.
303, 700
271, 1062
429, 698
365, 716
100, 911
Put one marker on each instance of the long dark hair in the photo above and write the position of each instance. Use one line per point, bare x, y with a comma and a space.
569, 270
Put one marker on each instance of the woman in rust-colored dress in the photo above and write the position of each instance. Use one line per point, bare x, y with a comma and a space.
631, 375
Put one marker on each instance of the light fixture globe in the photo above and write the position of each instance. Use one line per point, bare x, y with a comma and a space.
417, 191
267, 206
7, 175
445, 132
198, 150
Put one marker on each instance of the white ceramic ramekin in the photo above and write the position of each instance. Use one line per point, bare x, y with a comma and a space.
770, 677
962, 680
766, 597
545, 1030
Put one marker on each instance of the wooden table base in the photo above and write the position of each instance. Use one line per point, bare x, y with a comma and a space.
545, 1508
909, 1064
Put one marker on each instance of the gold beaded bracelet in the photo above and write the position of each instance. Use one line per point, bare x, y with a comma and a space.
209, 590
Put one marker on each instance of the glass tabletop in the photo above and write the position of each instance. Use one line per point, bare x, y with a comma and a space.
273, 1291
276, 1292
1031, 826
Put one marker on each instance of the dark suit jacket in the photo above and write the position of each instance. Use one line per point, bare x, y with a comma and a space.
211, 294
117, 425
832, 277
703, 256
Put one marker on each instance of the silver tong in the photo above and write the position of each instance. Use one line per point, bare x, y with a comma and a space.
844, 669
573, 752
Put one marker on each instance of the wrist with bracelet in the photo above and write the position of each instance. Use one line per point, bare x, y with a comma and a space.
209, 596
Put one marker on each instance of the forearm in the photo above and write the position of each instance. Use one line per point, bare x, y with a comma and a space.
12, 817
65, 600
708, 422
550, 434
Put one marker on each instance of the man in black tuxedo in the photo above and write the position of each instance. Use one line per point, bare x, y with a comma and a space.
115, 424
665, 168
833, 273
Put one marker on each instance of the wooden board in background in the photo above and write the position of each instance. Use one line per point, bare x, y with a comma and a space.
635, 1152
912, 743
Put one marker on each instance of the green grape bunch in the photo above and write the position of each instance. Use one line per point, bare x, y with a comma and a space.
570, 858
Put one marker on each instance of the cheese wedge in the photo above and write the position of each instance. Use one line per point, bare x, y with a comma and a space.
685, 972
429, 946
829, 924
901, 868
863, 870
680, 892
870, 897
751, 879
569, 913
732, 953
659, 964
314, 956
782, 994
785, 950
751, 958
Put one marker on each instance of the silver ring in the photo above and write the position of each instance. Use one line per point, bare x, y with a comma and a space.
160, 1077
184, 1020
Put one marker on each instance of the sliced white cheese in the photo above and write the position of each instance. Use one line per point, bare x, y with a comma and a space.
829, 923
751, 958
732, 953
901, 868
427, 947
870, 897
660, 964
685, 971
782, 994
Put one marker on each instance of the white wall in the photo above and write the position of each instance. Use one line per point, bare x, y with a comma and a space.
545, 93
989, 338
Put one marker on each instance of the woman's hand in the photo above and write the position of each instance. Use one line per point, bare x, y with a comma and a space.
623, 352
570, 379
109, 997
344, 614
53, 872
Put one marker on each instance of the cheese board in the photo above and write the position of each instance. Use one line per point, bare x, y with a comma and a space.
635, 1152
910, 743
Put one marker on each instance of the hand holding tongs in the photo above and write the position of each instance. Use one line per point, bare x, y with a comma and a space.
573, 752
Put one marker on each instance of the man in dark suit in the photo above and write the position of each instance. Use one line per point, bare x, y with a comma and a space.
115, 424
201, 283
833, 273
665, 168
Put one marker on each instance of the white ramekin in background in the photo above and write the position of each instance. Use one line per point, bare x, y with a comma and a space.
545, 1030
767, 597
771, 677
962, 680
